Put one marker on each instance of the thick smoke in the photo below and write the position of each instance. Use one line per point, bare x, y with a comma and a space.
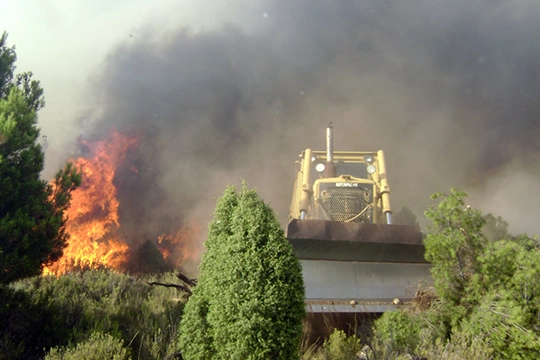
449, 89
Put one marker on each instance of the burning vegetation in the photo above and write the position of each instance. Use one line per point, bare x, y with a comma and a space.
99, 234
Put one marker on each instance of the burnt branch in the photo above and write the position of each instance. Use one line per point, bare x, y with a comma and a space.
186, 286
181, 287
186, 280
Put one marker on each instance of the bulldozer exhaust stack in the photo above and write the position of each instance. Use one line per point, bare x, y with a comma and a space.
330, 168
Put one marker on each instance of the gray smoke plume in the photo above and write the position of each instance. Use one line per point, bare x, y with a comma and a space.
449, 89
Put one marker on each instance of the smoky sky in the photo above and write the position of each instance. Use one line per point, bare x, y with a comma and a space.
449, 89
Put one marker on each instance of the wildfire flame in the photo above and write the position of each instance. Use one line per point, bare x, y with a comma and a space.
93, 219
180, 246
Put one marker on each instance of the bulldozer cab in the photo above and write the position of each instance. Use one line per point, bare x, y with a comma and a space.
345, 186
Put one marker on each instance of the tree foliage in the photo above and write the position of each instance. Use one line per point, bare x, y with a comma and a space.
7, 65
453, 244
249, 302
32, 232
488, 297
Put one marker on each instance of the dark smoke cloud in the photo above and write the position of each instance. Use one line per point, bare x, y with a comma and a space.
449, 89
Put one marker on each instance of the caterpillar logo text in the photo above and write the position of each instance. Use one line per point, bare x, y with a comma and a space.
346, 184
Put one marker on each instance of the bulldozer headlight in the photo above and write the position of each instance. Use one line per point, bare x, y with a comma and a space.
320, 167
368, 159
371, 169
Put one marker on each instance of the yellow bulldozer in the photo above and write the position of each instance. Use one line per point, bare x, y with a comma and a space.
354, 260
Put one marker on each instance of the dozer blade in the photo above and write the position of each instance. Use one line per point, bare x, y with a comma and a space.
332, 240
358, 268
342, 287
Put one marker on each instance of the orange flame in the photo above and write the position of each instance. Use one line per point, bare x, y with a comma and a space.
93, 213
93, 221
183, 245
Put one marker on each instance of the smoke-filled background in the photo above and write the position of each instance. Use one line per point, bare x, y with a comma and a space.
449, 89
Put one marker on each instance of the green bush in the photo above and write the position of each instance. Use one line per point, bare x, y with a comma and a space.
338, 346
249, 302
98, 347
66, 310
20, 325
398, 332
488, 304
461, 346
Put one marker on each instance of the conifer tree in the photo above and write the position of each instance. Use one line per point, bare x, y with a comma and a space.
249, 302
32, 221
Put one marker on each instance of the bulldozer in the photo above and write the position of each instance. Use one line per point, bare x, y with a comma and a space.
355, 261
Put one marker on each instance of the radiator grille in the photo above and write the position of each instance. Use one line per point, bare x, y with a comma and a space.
345, 204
